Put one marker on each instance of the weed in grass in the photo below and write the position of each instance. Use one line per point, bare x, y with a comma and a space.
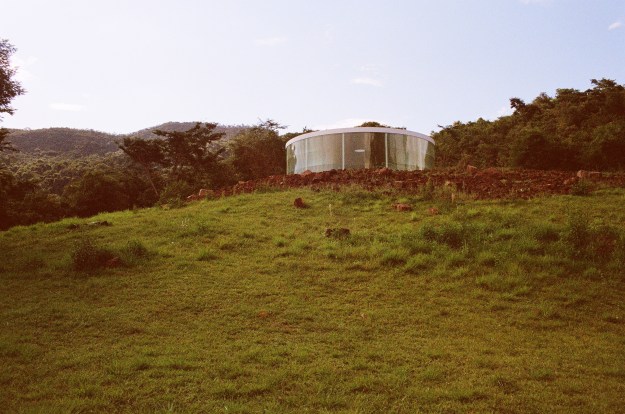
88, 257
545, 232
418, 263
450, 233
397, 257
582, 187
577, 235
279, 241
432, 374
498, 282
542, 374
506, 385
207, 255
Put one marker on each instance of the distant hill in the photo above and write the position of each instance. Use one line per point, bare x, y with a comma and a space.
84, 142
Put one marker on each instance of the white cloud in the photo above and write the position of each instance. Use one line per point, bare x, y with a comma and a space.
58, 106
270, 41
615, 25
365, 80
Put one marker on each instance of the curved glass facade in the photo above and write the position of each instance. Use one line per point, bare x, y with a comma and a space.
355, 148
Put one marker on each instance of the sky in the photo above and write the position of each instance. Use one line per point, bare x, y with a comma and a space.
121, 66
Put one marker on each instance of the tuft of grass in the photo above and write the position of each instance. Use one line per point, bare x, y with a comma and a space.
582, 187
88, 257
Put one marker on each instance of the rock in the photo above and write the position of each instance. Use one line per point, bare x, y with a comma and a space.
100, 223
384, 171
299, 203
402, 207
114, 262
582, 174
594, 174
263, 314
337, 233
433, 211
205, 193
306, 173
471, 169
570, 181
193, 197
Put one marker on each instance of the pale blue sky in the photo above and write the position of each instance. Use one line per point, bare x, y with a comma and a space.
119, 66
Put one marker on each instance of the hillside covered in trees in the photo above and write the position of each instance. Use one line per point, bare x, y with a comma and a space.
85, 142
572, 130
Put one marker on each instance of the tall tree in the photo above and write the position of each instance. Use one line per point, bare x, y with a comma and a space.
9, 88
191, 150
147, 153
259, 151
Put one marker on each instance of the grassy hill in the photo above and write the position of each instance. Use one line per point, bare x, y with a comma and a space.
242, 304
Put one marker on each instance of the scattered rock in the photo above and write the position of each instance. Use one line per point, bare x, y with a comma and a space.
337, 233
100, 223
594, 174
384, 171
570, 181
582, 174
193, 197
433, 211
306, 173
402, 207
205, 193
471, 169
299, 203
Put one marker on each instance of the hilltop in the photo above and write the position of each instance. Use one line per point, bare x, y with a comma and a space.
85, 142
243, 304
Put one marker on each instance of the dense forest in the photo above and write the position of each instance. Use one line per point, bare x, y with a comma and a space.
573, 130
52, 173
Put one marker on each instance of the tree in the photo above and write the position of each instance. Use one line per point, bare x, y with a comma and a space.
190, 152
259, 151
147, 153
9, 88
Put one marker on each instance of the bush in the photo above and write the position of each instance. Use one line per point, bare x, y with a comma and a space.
88, 257
135, 249
452, 234
582, 188
578, 235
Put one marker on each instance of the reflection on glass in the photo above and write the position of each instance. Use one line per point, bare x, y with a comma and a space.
354, 150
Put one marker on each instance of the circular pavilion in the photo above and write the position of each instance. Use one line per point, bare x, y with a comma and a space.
360, 147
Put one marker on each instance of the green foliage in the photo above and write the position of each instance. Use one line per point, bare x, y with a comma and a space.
582, 187
575, 129
258, 152
88, 257
9, 88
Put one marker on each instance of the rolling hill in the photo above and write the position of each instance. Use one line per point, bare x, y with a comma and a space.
244, 304
85, 142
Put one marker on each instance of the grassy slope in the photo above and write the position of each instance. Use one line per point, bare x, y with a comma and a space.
245, 306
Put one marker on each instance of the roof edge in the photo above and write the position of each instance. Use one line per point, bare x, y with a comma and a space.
360, 129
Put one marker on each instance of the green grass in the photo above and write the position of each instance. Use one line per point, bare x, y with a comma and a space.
243, 305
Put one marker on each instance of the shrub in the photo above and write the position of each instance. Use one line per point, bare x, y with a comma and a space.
578, 235
136, 249
582, 188
88, 257
455, 235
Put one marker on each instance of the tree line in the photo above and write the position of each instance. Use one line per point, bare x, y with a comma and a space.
572, 130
